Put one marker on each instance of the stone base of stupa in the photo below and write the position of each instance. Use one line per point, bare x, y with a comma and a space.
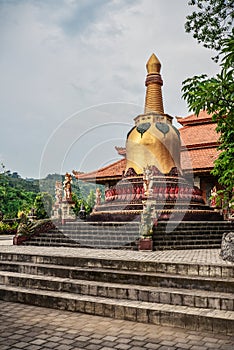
174, 199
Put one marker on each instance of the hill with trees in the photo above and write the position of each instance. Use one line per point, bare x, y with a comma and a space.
18, 194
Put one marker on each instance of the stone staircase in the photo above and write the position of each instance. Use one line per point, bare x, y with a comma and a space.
90, 234
190, 234
187, 295
115, 235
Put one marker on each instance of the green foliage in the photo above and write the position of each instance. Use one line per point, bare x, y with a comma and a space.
87, 203
216, 95
43, 205
90, 201
15, 194
211, 22
6, 228
78, 203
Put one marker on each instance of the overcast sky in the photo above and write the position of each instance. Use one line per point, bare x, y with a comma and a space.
72, 76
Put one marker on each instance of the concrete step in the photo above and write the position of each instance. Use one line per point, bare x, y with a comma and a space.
216, 284
185, 246
91, 242
51, 244
155, 313
120, 264
181, 234
184, 297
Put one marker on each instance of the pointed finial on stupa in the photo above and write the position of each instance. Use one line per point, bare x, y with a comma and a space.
153, 98
153, 65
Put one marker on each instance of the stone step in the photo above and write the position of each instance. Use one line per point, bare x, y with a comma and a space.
184, 297
172, 315
101, 235
189, 240
96, 242
163, 267
171, 235
216, 284
133, 235
51, 244
115, 225
162, 246
162, 223
90, 239
73, 245
127, 239
122, 242
162, 226
186, 233
116, 245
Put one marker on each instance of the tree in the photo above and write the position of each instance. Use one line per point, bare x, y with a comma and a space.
78, 203
43, 205
14, 195
90, 201
211, 23
216, 95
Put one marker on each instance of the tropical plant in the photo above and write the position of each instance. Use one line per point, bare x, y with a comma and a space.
43, 205
216, 94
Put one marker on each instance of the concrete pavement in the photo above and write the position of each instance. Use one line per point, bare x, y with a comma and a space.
36, 328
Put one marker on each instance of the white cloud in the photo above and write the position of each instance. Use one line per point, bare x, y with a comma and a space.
59, 57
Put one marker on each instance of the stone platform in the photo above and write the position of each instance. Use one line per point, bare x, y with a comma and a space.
191, 289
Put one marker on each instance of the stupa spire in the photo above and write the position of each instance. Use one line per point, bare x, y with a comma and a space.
153, 83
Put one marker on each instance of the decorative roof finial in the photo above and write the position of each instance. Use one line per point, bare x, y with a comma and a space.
153, 98
153, 65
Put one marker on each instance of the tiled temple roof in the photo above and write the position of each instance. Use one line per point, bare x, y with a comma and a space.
200, 160
193, 119
199, 135
109, 172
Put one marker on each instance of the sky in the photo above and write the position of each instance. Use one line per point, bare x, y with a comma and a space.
73, 72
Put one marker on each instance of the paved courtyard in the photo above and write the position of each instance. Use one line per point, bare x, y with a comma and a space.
36, 328
196, 256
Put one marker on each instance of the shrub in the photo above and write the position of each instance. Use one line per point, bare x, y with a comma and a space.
7, 228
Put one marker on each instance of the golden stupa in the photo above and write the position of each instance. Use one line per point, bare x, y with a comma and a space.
153, 170
154, 141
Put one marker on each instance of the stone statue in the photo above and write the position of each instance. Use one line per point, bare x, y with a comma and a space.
147, 220
58, 192
213, 197
67, 187
98, 197
148, 180
25, 227
227, 247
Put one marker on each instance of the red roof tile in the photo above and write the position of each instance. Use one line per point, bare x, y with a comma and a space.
199, 134
194, 119
199, 159
112, 171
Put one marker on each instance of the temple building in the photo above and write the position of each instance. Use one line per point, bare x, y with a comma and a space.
170, 166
